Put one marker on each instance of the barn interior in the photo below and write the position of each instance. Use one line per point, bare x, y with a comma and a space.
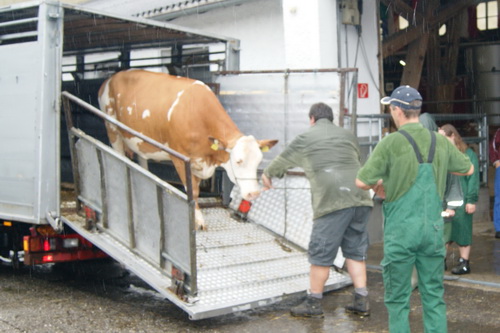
446, 48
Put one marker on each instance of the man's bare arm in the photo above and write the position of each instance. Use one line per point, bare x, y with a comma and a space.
468, 173
362, 185
377, 188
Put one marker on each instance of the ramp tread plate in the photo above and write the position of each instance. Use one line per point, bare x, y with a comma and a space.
265, 289
229, 242
224, 231
245, 263
256, 272
235, 255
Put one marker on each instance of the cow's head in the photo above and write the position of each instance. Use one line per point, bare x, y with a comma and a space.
244, 159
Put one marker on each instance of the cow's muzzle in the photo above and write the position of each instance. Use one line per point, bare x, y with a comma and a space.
251, 195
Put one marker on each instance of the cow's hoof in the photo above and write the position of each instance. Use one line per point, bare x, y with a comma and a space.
201, 227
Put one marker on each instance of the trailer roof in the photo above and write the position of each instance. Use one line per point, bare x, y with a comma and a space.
86, 30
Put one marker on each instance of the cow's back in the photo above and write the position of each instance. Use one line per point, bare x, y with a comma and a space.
179, 112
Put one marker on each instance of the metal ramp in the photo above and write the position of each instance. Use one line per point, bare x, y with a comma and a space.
240, 266
243, 266
148, 225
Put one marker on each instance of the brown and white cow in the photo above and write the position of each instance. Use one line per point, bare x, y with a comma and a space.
185, 115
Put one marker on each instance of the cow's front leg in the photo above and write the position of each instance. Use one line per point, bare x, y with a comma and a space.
199, 220
198, 216
195, 182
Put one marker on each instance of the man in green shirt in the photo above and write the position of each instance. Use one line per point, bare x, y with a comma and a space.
409, 169
329, 156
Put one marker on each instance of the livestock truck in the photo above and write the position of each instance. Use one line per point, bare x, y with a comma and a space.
66, 195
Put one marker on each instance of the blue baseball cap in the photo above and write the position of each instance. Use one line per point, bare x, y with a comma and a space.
402, 96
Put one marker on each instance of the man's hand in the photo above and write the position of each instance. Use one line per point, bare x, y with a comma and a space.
496, 164
379, 189
267, 182
449, 213
470, 208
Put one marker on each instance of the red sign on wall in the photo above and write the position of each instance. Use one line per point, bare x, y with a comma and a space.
362, 90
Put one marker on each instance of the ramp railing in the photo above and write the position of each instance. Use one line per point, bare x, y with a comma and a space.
149, 217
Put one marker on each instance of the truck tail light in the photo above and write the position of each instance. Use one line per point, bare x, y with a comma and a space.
49, 244
47, 248
48, 258
32, 244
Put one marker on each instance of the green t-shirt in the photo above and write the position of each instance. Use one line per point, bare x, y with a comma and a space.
329, 156
394, 161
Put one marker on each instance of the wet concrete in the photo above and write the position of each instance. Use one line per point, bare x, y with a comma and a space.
100, 298
50, 302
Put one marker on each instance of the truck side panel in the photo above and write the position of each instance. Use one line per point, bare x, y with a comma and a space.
28, 119
18, 161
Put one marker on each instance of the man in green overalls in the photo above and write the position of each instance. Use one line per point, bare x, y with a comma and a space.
409, 168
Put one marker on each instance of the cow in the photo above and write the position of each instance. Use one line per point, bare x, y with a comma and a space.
186, 116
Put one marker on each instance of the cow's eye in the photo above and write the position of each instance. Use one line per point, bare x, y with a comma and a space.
239, 162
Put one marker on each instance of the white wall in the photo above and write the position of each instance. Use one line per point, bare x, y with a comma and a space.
302, 34
257, 24
310, 33
328, 33
276, 34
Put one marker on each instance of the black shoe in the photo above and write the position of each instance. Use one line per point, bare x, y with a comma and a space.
462, 267
360, 305
310, 307
497, 234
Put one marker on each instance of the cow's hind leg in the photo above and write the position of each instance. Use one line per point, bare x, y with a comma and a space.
143, 162
118, 143
116, 139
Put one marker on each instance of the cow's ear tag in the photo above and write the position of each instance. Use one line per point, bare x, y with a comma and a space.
215, 145
265, 149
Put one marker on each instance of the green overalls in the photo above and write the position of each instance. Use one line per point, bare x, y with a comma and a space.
413, 235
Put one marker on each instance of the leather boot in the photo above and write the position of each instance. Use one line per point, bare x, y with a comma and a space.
310, 307
360, 306
462, 267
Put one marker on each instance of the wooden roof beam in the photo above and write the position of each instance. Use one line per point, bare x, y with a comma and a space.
400, 39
